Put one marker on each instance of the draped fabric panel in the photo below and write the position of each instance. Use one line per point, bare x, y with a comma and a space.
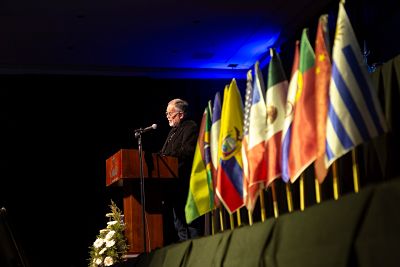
379, 155
356, 230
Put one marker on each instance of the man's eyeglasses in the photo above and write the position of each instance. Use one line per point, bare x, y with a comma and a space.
171, 114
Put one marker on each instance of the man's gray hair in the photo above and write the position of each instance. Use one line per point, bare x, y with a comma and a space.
180, 105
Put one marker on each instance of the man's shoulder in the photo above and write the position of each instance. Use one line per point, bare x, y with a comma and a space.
189, 123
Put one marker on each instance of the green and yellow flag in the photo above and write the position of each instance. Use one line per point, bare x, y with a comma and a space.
201, 193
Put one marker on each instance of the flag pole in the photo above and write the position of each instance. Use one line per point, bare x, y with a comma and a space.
221, 220
317, 190
250, 215
213, 222
355, 171
335, 181
231, 221
289, 197
274, 200
239, 219
301, 183
262, 204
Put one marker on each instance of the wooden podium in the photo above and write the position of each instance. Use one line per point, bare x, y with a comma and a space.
123, 169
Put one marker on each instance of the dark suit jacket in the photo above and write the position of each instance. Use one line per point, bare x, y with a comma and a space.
181, 143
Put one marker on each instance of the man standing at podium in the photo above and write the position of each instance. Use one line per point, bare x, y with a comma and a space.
181, 143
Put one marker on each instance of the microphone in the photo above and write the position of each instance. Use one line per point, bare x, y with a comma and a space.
141, 130
3, 211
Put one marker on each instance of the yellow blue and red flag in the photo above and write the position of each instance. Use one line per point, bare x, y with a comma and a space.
230, 171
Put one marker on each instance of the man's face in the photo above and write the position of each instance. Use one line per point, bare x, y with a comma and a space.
173, 116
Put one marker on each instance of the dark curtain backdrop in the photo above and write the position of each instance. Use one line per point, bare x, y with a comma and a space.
56, 134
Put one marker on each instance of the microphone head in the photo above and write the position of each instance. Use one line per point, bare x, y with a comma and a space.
154, 126
3, 211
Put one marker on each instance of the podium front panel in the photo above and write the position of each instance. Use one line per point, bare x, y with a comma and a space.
123, 169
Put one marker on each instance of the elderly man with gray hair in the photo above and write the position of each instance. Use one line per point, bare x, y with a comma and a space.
181, 143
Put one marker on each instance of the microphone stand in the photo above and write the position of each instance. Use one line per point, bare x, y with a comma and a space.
3, 213
138, 135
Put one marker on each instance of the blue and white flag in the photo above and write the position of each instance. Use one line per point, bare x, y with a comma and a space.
354, 113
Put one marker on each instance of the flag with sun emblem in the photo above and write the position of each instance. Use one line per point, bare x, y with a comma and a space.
230, 172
